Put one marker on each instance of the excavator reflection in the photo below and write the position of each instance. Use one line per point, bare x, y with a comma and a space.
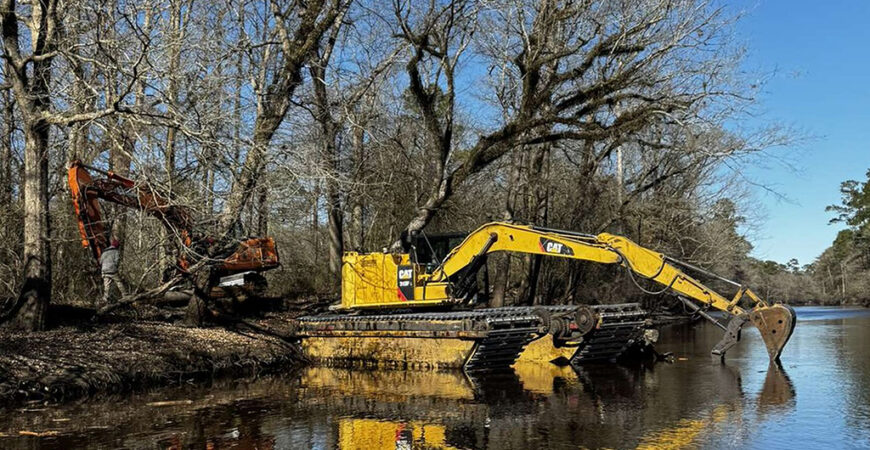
778, 392
414, 409
596, 406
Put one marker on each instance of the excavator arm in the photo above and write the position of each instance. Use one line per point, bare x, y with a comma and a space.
87, 192
251, 255
774, 322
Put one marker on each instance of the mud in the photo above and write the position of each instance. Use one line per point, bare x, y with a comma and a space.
71, 362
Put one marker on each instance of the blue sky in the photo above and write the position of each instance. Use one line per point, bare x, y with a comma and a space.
820, 54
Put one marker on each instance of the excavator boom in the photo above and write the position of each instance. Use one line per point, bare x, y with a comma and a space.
87, 192
251, 255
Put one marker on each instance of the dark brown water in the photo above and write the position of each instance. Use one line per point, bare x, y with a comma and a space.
820, 399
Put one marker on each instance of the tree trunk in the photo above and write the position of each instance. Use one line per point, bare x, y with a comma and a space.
538, 168
500, 282
196, 312
36, 292
336, 235
264, 128
488, 149
176, 35
33, 99
503, 266
119, 159
209, 181
263, 212
357, 230
330, 157
6, 150
330, 162
315, 223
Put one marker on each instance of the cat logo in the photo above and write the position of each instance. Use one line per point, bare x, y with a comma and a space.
553, 247
405, 275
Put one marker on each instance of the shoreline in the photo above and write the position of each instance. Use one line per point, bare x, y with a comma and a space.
69, 362
74, 361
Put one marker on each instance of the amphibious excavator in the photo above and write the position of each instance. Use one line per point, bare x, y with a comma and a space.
232, 272
404, 310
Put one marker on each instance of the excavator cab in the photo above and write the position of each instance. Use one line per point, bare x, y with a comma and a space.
430, 249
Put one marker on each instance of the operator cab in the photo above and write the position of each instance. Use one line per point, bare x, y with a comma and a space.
429, 249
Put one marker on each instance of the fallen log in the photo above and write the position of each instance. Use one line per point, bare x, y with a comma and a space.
171, 297
133, 298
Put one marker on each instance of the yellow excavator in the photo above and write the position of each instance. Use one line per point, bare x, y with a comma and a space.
400, 311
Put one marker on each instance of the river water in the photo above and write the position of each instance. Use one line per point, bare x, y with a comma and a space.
820, 398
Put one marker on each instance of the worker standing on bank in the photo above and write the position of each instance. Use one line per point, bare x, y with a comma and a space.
110, 260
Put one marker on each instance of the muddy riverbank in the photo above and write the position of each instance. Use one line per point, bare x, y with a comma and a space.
79, 358
71, 362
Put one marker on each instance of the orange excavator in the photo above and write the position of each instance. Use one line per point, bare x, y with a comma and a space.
231, 272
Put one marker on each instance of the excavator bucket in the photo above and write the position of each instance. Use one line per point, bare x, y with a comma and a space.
776, 324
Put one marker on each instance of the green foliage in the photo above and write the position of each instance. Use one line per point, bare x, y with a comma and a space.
854, 211
841, 274
855, 208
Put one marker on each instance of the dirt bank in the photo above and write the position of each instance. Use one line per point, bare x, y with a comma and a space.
70, 362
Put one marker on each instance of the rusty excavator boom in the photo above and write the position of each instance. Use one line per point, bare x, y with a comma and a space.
234, 271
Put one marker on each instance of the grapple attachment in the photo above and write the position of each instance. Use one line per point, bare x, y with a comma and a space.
776, 324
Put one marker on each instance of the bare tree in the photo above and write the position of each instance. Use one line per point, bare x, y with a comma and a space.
298, 27
29, 71
562, 66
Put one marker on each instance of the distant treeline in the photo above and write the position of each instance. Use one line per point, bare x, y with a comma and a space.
841, 274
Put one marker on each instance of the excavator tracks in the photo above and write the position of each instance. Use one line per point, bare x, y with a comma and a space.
620, 327
475, 340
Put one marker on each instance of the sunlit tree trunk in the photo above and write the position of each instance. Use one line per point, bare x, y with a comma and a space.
31, 89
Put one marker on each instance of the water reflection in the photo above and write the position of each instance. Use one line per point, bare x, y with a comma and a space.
692, 402
778, 393
534, 406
